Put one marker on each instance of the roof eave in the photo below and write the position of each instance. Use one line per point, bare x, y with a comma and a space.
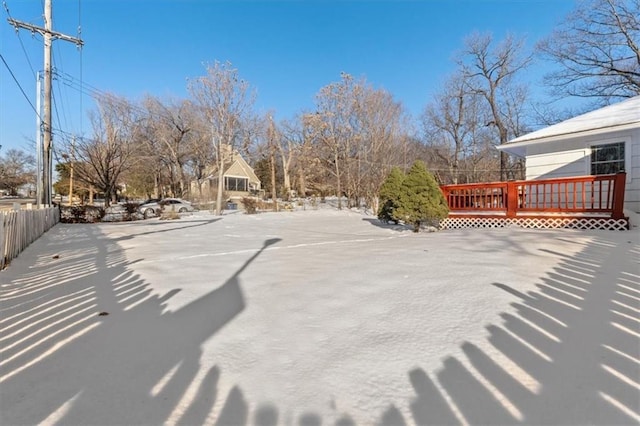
518, 146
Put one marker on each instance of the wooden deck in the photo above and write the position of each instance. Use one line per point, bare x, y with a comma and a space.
577, 202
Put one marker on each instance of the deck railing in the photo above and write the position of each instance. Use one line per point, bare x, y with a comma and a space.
601, 195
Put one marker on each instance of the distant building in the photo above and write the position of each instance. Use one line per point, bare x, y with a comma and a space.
240, 179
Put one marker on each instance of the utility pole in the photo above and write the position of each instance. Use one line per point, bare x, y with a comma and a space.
49, 35
38, 142
73, 147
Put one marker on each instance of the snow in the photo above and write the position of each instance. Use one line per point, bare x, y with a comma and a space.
319, 317
619, 116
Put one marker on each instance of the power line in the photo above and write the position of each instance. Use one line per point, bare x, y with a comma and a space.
19, 86
4, 3
56, 109
60, 97
61, 103
96, 93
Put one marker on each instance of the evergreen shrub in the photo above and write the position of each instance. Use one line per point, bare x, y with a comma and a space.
414, 198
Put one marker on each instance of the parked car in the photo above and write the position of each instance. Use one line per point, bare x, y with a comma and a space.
151, 200
154, 208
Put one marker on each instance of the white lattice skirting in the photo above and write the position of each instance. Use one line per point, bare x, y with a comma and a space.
535, 223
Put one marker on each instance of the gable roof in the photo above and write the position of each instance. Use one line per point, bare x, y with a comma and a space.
621, 116
234, 165
240, 167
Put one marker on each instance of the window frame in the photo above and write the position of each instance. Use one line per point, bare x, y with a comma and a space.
624, 158
236, 178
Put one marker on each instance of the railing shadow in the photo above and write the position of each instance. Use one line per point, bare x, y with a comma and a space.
78, 327
567, 353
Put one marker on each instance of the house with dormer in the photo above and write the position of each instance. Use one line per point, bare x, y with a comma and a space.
239, 177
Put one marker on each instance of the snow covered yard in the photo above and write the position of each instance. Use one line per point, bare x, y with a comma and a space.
319, 317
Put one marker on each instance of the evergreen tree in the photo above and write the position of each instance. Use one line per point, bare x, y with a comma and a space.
421, 200
389, 195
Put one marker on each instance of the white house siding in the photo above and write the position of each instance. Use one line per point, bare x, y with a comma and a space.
572, 157
632, 194
557, 164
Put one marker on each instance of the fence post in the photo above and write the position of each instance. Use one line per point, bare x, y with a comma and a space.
618, 195
512, 198
3, 240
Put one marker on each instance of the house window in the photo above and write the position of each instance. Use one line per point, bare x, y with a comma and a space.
236, 184
607, 159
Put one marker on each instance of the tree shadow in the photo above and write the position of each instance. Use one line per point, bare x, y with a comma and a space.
166, 227
86, 338
387, 225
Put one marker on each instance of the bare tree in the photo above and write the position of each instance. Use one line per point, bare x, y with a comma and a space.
290, 141
273, 138
168, 128
310, 171
17, 168
357, 133
598, 49
380, 144
149, 174
101, 160
490, 71
226, 101
449, 123
331, 129
201, 154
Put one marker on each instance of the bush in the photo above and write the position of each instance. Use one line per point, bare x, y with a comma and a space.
130, 211
389, 195
421, 200
169, 215
81, 214
414, 198
250, 205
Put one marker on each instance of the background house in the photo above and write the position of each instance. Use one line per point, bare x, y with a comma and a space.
603, 141
240, 179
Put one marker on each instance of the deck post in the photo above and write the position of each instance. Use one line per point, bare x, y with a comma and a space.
512, 198
618, 195
445, 193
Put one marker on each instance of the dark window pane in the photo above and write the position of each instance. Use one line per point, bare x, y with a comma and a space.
608, 153
236, 184
607, 159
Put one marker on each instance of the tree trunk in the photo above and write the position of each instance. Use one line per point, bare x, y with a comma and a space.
274, 192
338, 183
302, 187
220, 181
286, 175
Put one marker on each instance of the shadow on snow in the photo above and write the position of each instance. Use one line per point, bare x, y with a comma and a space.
569, 351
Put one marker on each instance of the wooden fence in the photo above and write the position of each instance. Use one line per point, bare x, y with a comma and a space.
19, 228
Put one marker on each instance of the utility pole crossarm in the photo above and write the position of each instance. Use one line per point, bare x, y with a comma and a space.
35, 29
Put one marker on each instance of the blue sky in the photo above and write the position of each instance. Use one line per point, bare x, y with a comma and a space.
287, 50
